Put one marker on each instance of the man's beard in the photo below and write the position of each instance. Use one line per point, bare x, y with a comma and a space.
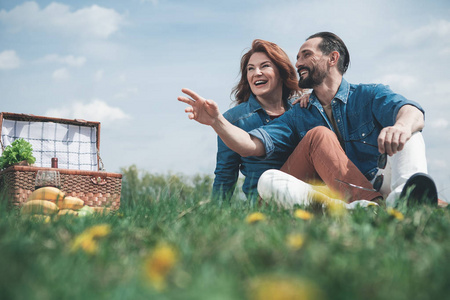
314, 78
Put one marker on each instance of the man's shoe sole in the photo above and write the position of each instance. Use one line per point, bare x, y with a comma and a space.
420, 189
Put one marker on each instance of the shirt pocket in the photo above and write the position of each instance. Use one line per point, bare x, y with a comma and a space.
363, 132
364, 140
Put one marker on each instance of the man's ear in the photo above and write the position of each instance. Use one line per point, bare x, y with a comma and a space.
334, 57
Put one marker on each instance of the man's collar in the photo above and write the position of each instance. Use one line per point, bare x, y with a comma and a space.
342, 94
343, 91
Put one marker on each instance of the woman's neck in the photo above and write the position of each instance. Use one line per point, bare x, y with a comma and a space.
274, 106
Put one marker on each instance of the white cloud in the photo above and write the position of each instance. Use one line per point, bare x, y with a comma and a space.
96, 110
9, 60
127, 93
69, 60
154, 2
398, 81
94, 21
122, 78
437, 30
445, 52
437, 163
440, 123
98, 76
61, 74
300, 18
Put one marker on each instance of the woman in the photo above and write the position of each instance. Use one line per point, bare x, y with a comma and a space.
268, 81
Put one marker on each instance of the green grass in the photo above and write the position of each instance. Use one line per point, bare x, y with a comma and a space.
367, 254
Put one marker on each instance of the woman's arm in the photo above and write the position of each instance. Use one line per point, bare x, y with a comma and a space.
207, 112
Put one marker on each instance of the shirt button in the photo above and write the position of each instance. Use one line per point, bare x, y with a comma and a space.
339, 120
267, 120
363, 134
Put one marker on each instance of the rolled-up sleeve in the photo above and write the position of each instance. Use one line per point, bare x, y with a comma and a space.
265, 138
278, 136
386, 105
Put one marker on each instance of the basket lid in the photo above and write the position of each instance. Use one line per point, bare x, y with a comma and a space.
74, 142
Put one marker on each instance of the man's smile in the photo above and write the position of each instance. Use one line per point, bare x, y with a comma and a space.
303, 71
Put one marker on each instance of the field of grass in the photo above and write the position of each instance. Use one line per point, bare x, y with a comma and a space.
169, 241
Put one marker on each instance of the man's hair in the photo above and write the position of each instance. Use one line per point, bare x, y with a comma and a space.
331, 42
287, 72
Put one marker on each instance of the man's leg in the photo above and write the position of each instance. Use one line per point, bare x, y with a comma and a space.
319, 156
283, 188
404, 164
287, 191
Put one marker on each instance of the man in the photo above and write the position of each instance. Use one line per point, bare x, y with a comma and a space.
364, 117
366, 120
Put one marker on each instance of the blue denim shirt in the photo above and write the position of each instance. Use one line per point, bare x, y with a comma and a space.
361, 112
247, 116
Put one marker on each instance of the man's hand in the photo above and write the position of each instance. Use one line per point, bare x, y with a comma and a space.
303, 100
202, 110
393, 138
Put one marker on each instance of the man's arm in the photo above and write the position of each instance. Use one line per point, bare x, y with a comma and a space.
393, 138
207, 112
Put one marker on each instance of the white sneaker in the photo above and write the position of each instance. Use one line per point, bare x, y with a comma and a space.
360, 203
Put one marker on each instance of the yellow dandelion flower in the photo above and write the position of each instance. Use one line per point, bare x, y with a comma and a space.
41, 218
325, 191
395, 213
158, 265
255, 217
87, 240
98, 231
277, 288
295, 241
303, 214
336, 209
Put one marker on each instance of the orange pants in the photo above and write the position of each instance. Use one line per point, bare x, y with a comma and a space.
320, 157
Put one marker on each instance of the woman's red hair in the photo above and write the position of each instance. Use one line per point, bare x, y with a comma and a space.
287, 72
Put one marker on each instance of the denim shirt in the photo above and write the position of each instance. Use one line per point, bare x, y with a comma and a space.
361, 112
247, 116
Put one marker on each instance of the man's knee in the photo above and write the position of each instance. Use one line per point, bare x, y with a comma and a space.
320, 133
267, 178
265, 184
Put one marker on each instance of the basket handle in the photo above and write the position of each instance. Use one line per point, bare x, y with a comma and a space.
98, 180
101, 167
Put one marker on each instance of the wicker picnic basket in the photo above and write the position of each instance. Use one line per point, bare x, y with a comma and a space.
81, 174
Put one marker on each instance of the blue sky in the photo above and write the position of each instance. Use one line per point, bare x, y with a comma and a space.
123, 63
